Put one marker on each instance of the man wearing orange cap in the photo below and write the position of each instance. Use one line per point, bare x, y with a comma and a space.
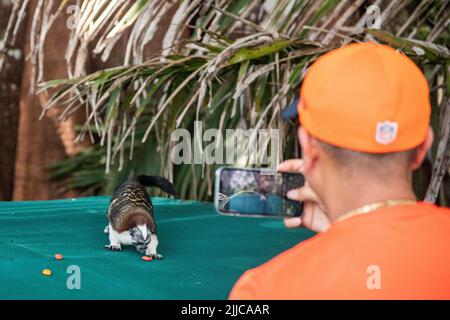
364, 112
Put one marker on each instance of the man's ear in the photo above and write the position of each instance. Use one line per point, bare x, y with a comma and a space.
422, 150
309, 149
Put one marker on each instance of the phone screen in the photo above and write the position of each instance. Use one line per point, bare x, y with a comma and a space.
256, 192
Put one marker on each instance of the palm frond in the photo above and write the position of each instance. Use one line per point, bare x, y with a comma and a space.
229, 63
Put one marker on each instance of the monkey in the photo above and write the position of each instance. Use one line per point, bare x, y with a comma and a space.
130, 215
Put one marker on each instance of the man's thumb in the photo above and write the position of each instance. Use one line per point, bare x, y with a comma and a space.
293, 222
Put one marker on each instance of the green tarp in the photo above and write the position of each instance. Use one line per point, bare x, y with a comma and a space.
204, 253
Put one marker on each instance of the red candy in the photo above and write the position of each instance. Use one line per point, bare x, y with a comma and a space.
147, 258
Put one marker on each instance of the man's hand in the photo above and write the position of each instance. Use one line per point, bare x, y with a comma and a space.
314, 216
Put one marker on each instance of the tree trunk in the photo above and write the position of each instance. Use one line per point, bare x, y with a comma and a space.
46, 141
10, 80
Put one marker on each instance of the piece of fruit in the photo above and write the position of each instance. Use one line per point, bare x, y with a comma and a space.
147, 258
58, 256
47, 272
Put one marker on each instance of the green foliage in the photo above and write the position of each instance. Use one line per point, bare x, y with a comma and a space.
242, 64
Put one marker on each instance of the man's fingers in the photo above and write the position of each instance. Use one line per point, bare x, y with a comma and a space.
293, 222
303, 194
292, 165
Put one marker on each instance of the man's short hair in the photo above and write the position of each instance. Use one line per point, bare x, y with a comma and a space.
355, 159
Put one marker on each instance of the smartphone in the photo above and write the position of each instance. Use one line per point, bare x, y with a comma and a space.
256, 192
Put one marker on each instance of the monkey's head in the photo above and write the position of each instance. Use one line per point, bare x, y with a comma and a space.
140, 237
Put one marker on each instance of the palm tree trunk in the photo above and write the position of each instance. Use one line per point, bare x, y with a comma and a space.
10, 80
41, 142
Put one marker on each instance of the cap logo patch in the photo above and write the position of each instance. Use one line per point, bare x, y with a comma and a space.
386, 132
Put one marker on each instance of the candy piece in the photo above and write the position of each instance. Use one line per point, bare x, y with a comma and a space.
58, 256
147, 258
47, 272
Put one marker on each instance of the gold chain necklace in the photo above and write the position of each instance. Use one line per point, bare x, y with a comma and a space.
375, 206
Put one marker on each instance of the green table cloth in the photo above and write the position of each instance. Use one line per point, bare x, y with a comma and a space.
204, 253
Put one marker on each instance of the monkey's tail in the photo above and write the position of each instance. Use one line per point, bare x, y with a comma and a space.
157, 181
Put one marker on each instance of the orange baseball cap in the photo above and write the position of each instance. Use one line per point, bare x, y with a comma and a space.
366, 97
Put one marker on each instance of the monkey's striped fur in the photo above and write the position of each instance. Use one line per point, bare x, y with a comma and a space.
130, 215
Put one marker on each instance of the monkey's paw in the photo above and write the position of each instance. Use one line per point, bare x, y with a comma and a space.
155, 256
113, 247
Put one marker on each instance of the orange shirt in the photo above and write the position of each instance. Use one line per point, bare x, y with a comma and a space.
398, 252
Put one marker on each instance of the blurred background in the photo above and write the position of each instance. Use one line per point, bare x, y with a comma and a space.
91, 90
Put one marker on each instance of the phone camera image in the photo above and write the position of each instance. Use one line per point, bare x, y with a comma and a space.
256, 192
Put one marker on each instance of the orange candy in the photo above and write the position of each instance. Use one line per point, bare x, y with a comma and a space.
147, 258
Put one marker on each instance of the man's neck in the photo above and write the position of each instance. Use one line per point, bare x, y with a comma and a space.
349, 195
